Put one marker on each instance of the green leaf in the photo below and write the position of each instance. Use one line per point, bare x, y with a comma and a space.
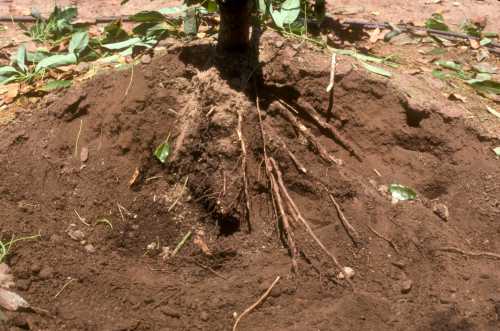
485, 41
56, 61
262, 6
174, 10
402, 193
485, 86
79, 42
497, 150
113, 32
191, 22
21, 58
376, 70
439, 74
149, 16
212, 6
122, 44
6, 80
55, 85
37, 56
449, 65
490, 34
162, 152
8, 71
471, 29
290, 10
277, 18
436, 22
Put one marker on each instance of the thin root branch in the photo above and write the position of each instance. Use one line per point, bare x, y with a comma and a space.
469, 253
130, 82
252, 307
78, 138
64, 287
351, 231
389, 241
180, 195
239, 131
298, 216
302, 129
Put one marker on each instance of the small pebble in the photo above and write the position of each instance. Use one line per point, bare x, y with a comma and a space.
171, 312
441, 210
146, 59
406, 286
347, 272
204, 316
76, 235
90, 248
46, 273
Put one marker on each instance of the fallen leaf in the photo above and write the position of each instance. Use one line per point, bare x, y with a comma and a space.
200, 242
134, 177
497, 150
401, 193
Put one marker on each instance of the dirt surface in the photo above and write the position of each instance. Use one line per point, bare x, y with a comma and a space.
404, 134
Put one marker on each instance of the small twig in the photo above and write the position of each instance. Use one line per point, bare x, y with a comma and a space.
64, 287
390, 242
83, 220
210, 269
78, 138
120, 210
329, 88
180, 195
181, 243
130, 82
239, 131
469, 253
351, 231
302, 129
147, 180
258, 302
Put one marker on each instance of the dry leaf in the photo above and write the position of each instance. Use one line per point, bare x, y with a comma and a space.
474, 44
200, 242
134, 177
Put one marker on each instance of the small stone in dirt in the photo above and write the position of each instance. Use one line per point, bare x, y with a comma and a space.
146, 59
84, 154
6, 278
170, 312
406, 286
35, 268
12, 301
204, 316
76, 235
46, 273
441, 210
90, 248
55, 238
279, 43
347, 272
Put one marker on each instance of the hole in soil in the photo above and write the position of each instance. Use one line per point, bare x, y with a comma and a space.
228, 225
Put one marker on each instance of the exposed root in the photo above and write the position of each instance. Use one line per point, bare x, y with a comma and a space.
276, 198
469, 253
302, 129
351, 231
329, 88
336, 135
390, 242
294, 210
258, 302
239, 131
292, 156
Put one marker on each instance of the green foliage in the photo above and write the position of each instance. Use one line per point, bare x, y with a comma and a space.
401, 192
56, 27
56, 85
162, 152
5, 247
436, 22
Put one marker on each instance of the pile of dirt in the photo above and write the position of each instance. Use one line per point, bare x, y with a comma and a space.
80, 171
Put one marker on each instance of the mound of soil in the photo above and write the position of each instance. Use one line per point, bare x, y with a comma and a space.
80, 171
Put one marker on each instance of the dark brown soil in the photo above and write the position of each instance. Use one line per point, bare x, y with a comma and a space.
194, 99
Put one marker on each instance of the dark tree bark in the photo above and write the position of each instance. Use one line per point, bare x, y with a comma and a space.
234, 30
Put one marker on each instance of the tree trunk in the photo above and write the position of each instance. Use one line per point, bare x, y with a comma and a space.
234, 31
